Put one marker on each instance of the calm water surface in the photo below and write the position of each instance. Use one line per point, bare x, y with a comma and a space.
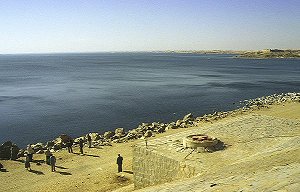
42, 96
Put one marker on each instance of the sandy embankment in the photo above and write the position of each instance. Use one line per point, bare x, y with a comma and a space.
96, 170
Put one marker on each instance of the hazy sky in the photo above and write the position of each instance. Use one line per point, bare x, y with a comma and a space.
147, 25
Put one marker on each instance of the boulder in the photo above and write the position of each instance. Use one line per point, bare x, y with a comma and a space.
21, 153
188, 117
161, 129
119, 132
145, 124
134, 134
37, 147
178, 123
154, 124
171, 126
40, 151
77, 139
49, 144
148, 134
108, 134
57, 146
95, 136
57, 141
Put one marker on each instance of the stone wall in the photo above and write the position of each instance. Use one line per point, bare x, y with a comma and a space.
151, 168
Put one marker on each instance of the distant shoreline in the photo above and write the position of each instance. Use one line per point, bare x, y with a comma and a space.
259, 54
255, 54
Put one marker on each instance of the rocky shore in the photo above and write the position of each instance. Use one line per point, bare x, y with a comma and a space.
146, 130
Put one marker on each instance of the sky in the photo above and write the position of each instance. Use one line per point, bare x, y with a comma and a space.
46, 26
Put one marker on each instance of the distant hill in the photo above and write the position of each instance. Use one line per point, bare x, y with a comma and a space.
206, 51
271, 53
266, 53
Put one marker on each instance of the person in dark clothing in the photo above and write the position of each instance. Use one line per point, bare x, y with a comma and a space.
27, 163
81, 146
52, 162
119, 162
69, 145
89, 139
48, 155
14, 150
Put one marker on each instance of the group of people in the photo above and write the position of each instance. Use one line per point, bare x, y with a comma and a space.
51, 159
69, 144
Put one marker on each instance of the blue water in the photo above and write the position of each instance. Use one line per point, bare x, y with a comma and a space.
42, 96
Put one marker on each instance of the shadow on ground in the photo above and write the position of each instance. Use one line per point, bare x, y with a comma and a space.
63, 173
3, 170
37, 172
130, 172
60, 167
87, 155
218, 147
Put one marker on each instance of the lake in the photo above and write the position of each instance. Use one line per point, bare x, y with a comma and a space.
44, 95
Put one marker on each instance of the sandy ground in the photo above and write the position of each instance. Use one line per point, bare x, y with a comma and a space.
96, 170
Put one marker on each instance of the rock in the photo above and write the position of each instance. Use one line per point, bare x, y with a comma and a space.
57, 146
108, 135
77, 139
95, 136
145, 124
155, 124
57, 141
171, 126
183, 125
21, 153
134, 134
188, 117
148, 133
119, 132
178, 123
40, 152
49, 144
37, 147
161, 130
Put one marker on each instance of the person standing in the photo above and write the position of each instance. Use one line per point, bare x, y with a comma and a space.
89, 139
81, 146
14, 152
119, 162
69, 145
27, 162
48, 155
52, 162
30, 152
